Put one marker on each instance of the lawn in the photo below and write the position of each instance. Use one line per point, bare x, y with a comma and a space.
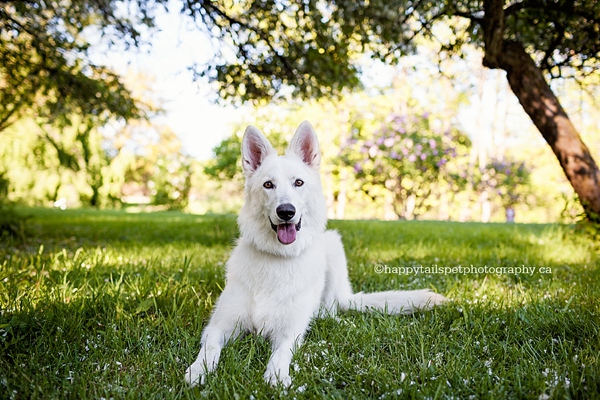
110, 304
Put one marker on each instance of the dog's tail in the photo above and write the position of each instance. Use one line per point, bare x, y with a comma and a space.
395, 301
339, 292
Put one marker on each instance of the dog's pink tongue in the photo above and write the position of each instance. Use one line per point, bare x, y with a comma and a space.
286, 233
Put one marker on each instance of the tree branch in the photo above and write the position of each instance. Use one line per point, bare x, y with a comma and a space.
514, 8
493, 31
210, 7
560, 34
469, 16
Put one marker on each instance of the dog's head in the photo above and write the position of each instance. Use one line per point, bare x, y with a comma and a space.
284, 206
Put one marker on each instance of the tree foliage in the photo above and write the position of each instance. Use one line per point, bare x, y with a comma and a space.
44, 58
46, 75
507, 178
226, 165
160, 168
78, 148
414, 157
308, 48
385, 156
84, 165
279, 46
311, 46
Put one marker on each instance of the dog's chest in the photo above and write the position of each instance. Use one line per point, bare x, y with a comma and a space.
283, 303
278, 291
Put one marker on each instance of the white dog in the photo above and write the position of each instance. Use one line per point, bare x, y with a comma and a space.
286, 267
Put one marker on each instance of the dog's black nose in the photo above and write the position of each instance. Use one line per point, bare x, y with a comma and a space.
286, 211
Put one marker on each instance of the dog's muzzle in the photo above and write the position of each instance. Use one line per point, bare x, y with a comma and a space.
286, 231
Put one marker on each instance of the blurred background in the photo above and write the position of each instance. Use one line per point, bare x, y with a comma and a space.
123, 105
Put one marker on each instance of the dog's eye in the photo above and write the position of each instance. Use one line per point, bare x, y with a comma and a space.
299, 182
268, 185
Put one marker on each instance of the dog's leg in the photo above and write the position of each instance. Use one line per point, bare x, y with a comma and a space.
278, 367
337, 291
213, 341
223, 326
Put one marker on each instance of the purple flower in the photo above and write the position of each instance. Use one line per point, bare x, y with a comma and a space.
432, 143
389, 142
412, 158
423, 157
400, 119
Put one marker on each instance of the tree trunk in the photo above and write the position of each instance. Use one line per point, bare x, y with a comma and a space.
95, 199
539, 102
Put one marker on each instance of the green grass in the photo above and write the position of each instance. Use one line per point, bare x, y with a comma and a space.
110, 304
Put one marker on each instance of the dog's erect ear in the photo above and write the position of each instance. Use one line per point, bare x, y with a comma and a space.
306, 145
255, 147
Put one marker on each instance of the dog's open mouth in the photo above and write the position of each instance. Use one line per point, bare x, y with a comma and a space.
286, 232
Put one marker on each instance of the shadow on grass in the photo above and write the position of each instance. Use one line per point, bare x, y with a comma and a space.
72, 229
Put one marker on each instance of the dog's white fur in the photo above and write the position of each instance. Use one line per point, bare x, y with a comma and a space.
275, 289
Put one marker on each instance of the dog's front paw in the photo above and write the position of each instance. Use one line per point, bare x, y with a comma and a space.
274, 378
195, 374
